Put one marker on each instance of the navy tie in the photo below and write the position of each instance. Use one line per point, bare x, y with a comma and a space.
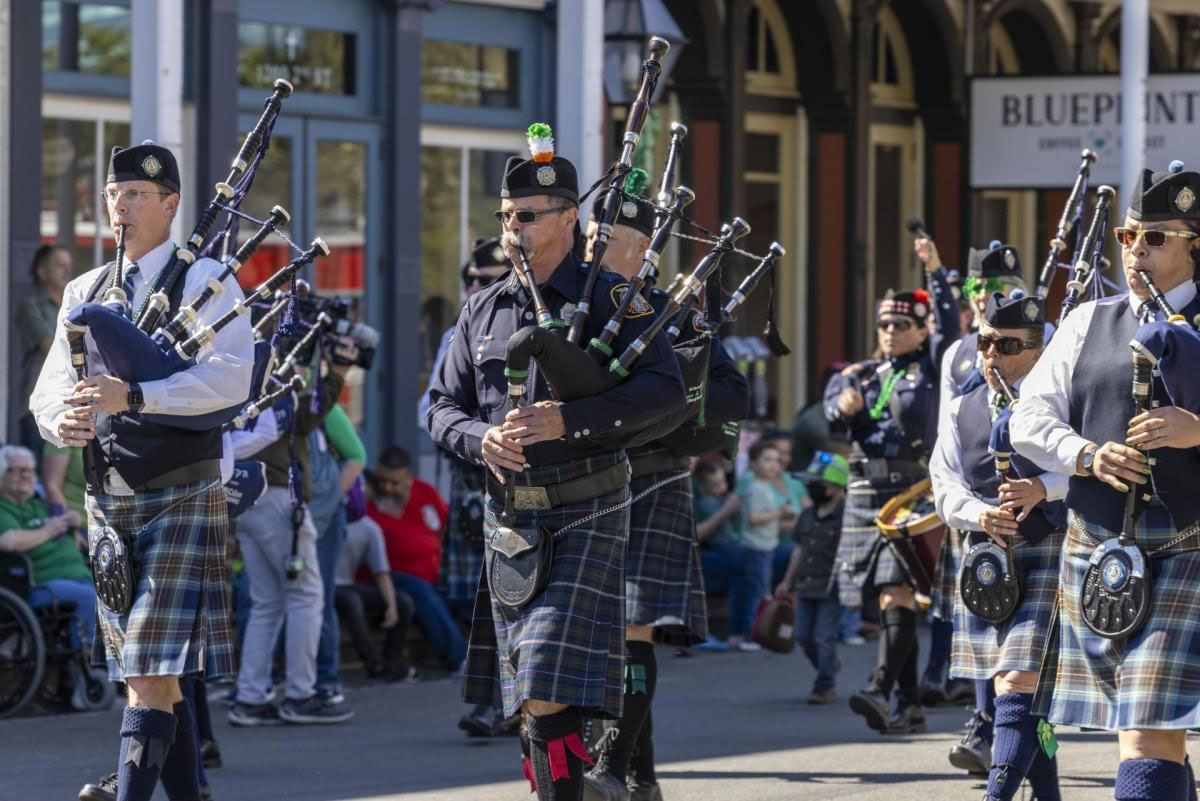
127, 284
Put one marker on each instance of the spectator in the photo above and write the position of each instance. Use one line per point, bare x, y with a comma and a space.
722, 556
810, 576
791, 488
36, 318
357, 602
413, 517
766, 511
264, 534
65, 485
27, 526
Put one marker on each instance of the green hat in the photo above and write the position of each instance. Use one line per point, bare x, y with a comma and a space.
831, 467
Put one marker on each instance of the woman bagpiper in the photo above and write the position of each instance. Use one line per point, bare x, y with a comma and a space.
1009, 517
1126, 656
888, 409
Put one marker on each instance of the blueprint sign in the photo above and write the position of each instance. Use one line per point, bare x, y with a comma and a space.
1028, 132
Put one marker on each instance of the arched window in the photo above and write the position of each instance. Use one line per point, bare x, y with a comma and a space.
770, 62
1002, 54
891, 68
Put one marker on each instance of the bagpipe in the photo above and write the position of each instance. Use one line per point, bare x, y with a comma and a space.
146, 350
1072, 215
1087, 269
988, 579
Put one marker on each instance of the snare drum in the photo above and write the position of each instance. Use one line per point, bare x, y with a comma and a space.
910, 524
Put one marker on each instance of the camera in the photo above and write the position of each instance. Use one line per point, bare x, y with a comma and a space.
338, 309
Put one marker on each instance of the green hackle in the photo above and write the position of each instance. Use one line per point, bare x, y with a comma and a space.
636, 182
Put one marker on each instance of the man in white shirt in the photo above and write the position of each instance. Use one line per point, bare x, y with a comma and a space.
154, 489
1007, 647
1076, 417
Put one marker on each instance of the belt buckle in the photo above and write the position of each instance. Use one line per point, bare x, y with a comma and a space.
531, 498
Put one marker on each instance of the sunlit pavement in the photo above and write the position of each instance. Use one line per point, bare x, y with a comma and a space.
728, 726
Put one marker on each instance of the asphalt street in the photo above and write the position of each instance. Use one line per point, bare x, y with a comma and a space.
728, 727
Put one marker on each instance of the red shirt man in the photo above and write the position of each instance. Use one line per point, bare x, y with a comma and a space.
413, 517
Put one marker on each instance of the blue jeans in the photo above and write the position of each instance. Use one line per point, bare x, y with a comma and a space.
747, 592
722, 566
817, 622
851, 621
79, 592
329, 547
434, 618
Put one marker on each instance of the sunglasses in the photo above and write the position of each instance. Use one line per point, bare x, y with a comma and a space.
1006, 346
483, 280
894, 325
1128, 237
524, 216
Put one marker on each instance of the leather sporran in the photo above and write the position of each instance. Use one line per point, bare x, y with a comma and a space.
1116, 590
989, 583
111, 562
519, 564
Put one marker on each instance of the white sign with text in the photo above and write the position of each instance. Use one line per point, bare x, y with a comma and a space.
1028, 132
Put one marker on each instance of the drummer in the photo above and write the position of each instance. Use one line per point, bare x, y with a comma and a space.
888, 409
972, 498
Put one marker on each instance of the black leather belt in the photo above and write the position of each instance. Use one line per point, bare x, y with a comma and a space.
657, 462
550, 496
209, 470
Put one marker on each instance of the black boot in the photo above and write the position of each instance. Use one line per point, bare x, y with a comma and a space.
601, 782
872, 701
974, 752
481, 720
897, 645
909, 718
105, 789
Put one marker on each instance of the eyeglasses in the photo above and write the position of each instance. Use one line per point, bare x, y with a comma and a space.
524, 216
1006, 346
22, 471
1128, 237
132, 196
894, 325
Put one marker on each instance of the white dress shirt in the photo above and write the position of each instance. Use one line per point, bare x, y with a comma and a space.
220, 377
1040, 428
957, 505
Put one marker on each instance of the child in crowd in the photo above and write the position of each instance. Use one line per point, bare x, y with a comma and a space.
768, 508
810, 576
717, 513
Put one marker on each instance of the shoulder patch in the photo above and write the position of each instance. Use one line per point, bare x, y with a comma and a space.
640, 307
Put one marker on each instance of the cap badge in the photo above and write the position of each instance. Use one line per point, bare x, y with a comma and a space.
1185, 199
498, 253
1031, 310
629, 209
1010, 259
151, 166
920, 310
546, 176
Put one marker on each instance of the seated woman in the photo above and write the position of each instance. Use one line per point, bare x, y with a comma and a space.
60, 573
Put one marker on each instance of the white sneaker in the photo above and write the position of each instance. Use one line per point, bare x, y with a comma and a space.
749, 647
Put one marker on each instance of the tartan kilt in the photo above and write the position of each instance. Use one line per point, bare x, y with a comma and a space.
567, 646
179, 624
1148, 681
945, 583
662, 562
462, 560
981, 649
863, 557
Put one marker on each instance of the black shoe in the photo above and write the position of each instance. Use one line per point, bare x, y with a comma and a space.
973, 753
507, 726
481, 721
103, 790
600, 785
873, 706
645, 791
314, 710
933, 686
960, 691
211, 754
908, 719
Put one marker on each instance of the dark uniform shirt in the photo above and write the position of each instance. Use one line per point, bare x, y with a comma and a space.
469, 394
907, 423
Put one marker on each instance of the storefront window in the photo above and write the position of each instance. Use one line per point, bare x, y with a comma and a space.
92, 38
312, 60
459, 74
74, 160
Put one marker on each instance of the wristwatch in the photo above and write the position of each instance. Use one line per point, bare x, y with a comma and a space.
1088, 459
134, 398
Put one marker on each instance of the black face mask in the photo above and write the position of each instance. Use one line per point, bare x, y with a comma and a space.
819, 492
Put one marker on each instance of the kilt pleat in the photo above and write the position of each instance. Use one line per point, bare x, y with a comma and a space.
179, 623
981, 649
462, 560
1150, 680
567, 645
945, 583
863, 558
662, 562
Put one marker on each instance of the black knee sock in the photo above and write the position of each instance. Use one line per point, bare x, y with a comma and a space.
558, 755
200, 703
642, 763
641, 677
897, 625
146, 737
180, 771
906, 681
941, 634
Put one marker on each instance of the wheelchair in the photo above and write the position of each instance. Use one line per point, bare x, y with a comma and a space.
38, 659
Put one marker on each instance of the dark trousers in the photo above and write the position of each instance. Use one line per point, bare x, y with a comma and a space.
359, 606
